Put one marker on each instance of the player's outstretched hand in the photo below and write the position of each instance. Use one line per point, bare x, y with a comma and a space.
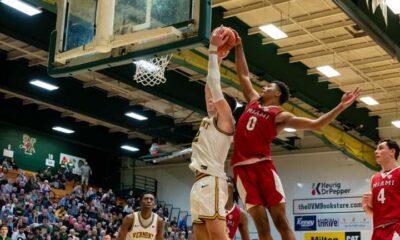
349, 97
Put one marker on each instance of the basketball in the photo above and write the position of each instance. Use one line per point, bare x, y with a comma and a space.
223, 50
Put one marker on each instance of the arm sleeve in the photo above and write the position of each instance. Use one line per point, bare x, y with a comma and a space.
214, 76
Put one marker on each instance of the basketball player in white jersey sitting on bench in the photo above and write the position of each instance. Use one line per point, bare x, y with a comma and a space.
210, 148
143, 224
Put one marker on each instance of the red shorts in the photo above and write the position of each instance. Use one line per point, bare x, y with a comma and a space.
387, 233
259, 184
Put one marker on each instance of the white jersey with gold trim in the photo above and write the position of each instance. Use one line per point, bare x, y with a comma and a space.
143, 229
210, 148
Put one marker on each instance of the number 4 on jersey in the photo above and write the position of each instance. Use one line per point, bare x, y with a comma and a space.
381, 196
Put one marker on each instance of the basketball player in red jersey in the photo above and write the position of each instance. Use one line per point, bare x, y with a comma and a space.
383, 204
258, 184
235, 216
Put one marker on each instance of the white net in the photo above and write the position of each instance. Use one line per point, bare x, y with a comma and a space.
150, 72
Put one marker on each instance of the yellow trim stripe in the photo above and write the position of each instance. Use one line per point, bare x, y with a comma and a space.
215, 216
198, 222
216, 195
200, 176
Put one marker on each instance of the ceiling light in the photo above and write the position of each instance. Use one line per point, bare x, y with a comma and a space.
369, 100
396, 123
394, 5
289, 130
63, 130
300, 185
22, 7
44, 85
136, 116
273, 31
328, 71
130, 148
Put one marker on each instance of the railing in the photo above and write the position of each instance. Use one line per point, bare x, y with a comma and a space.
140, 184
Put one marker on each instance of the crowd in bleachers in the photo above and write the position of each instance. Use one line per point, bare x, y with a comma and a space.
30, 209
174, 229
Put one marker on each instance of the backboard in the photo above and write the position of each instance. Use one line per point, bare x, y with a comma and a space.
96, 34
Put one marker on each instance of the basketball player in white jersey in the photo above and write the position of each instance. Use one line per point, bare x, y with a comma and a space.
142, 225
210, 149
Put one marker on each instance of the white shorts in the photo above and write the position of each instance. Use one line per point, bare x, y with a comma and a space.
208, 198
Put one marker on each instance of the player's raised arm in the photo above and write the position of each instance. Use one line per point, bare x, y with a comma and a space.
243, 72
213, 86
286, 119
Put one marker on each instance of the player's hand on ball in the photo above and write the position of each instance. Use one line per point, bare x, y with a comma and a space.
218, 37
238, 38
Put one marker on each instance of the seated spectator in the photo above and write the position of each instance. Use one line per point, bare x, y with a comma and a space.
21, 179
10, 224
107, 237
182, 225
46, 227
166, 212
72, 235
90, 194
78, 191
63, 232
47, 174
8, 188
13, 164
32, 184
3, 179
130, 198
6, 212
45, 187
19, 234
128, 209
5, 165
4, 233
174, 223
108, 197
160, 212
30, 235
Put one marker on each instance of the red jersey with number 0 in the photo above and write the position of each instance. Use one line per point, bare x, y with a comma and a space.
254, 133
386, 197
233, 220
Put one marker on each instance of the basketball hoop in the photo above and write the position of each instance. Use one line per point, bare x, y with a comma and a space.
150, 72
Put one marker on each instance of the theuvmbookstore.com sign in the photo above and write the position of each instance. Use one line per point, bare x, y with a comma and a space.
327, 205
